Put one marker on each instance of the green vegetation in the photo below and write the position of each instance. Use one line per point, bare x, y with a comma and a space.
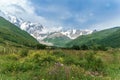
60, 65
87, 58
86, 47
106, 38
13, 36
58, 41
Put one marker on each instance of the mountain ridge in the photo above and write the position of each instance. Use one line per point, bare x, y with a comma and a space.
105, 37
10, 33
40, 32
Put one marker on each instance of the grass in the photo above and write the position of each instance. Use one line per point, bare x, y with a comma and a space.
14, 36
19, 62
24, 64
105, 38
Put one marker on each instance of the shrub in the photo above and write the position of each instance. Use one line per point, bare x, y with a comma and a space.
59, 53
40, 46
99, 47
102, 47
49, 59
12, 57
23, 52
92, 63
58, 72
75, 47
17, 67
95, 64
69, 60
84, 47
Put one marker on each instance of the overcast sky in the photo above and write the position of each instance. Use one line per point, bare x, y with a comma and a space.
80, 14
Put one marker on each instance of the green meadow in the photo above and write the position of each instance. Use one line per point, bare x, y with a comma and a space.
59, 64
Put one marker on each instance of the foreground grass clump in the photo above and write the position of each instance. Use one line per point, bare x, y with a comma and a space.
26, 64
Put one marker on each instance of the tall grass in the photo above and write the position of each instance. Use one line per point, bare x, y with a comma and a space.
24, 64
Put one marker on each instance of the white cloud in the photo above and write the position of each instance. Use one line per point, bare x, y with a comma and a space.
8, 5
84, 17
62, 11
80, 18
21, 8
106, 24
25, 9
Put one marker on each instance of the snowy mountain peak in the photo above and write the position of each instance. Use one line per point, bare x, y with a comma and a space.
72, 34
40, 32
27, 25
15, 20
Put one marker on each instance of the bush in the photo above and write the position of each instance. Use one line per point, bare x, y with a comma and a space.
75, 47
12, 57
58, 72
23, 52
59, 53
84, 47
99, 47
102, 47
92, 63
40, 46
17, 67
49, 59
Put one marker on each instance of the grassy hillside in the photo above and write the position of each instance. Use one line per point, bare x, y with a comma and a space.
12, 35
108, 38
58, 41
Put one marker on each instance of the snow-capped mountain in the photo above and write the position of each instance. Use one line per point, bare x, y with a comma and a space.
73, 34
35, 29
55, 34
61, 38
57, 39
40, 32
11, 18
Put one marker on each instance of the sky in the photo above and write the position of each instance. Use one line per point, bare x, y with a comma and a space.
66, 14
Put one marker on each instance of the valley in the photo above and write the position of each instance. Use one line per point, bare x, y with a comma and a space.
23, 58
31, 51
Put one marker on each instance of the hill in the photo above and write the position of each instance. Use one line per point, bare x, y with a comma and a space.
57, 39
14, 36
107, 38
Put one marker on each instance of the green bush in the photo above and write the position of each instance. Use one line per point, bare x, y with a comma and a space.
23, 52
75, 47
40, 46
59, 53
84, 47
17, 67
12, 57
94, 64
49, 59
99, 47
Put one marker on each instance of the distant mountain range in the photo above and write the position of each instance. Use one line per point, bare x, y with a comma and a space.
18, 36
42, 34
62, 37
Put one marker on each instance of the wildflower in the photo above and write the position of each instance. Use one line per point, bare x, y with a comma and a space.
72, 77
